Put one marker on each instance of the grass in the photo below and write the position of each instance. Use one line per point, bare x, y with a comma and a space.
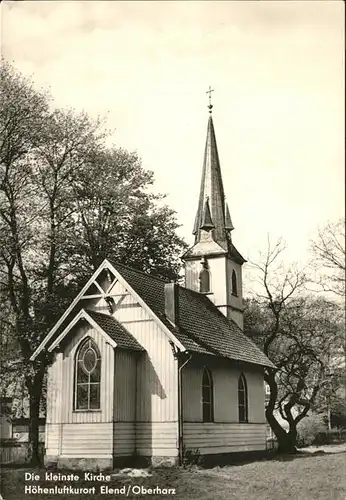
301, 477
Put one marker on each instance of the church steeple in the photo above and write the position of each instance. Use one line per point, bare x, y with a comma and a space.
211, 189
213, 246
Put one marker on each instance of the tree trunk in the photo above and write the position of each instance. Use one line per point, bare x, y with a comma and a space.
286, 440
35, 386
279, 431
33, 451
287, 443
275, 426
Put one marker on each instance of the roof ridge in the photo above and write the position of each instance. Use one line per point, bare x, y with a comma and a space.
115, 264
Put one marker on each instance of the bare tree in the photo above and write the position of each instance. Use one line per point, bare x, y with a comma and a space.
328, 249
298, 334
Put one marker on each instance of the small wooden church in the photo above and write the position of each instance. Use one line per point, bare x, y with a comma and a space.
148, 369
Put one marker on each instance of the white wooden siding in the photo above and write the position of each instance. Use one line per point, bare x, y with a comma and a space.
256, 396
211, 438
192, 393
225, 392
79, 440
124, 440
157, 392
54, 391
139, 397
53, 439
87, 439
68, 415
86, 435
146, 438
157, 439
150, 376
125, 386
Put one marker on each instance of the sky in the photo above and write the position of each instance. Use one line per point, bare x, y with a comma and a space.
277, 70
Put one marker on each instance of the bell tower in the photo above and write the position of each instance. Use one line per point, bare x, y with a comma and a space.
213, 265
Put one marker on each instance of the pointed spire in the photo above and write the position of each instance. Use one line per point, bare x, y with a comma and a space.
206, 222
213, 223
228, 221
211, 187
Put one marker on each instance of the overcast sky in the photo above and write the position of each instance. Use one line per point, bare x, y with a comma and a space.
278, 73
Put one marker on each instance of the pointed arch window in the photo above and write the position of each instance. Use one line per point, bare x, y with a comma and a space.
207, 396
204, 278
87, 377
242, 399
234, 284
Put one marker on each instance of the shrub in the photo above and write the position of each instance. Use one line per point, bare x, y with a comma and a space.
312, 430
192, 457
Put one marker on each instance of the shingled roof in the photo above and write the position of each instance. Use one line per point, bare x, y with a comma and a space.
201, 327
116, 331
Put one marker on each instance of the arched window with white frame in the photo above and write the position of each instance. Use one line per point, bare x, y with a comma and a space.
87, 390
207, 396
242, 399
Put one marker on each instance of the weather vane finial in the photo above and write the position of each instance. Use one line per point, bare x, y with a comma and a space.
209, 92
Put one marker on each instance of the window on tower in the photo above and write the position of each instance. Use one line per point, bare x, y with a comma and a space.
234, 284
204, 278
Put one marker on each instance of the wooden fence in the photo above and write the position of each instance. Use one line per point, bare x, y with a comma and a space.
16, 453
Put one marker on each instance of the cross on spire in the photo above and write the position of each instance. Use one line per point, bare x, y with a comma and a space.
209, 91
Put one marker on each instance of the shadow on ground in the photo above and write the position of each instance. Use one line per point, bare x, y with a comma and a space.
273, 456
237, 460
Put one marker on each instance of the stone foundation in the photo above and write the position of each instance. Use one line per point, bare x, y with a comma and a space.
155, 461
93, 464
87, 464
164, 461
50, 461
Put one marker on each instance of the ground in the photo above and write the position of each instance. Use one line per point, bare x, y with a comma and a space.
319, 475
